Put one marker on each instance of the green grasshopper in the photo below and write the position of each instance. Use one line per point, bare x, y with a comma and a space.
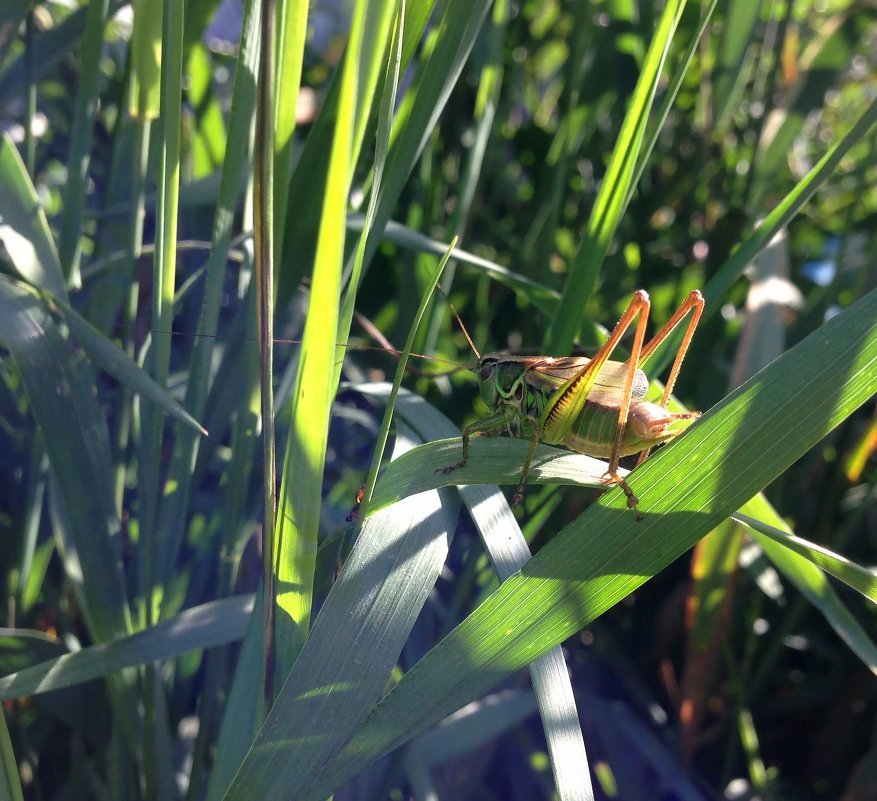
591, 406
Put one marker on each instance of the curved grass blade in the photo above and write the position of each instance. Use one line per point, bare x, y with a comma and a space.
109, 357
205, 626
59, 388
346, 661
684, 490
508, 551
495, 460
854, 575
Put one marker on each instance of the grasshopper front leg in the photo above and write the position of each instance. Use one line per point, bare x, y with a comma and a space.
494, 424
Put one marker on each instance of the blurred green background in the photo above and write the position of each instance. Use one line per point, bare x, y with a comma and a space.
746, 166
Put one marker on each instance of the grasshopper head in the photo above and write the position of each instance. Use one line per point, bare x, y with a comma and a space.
487, 381
502, 382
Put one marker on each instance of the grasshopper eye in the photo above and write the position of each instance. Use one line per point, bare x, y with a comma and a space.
486, 371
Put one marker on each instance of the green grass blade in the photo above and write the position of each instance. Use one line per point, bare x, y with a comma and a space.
732, 69
660, 118
109, 357
206, 626
10, 784
611, 201
24, 230
176, 499
856, 576
298, 512
384, 431
507, 548
346, 662
59, 388
540, 295
420, 109
382, 139
684, 491
812, 583
718, 286
164, 284
292, 27
85, 111
496, 460
302, 219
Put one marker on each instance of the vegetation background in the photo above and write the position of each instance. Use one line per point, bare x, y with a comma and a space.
579, 151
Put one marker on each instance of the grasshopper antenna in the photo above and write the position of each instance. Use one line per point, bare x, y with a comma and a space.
460, 323
375, 333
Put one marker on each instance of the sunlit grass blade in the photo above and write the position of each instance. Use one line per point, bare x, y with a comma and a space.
496, 460
292, 25
508, 551
808, 577
382, 140
421, 107
24, 230
856, 576
356, 640
303, 219
785, 210
684, 490
611, 200
298, 512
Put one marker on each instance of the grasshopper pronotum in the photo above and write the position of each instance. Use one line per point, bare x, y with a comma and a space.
592, 406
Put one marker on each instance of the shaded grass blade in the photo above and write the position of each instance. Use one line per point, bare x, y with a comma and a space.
59, 387
206, 626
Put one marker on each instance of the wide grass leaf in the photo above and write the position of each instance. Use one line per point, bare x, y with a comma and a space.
356, 639
601, 557
60, 390
205, 626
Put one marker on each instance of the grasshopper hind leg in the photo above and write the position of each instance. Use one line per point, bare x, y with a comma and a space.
632, 500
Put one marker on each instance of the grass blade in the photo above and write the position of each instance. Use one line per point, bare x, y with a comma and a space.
24, 229
684, 491
357, 637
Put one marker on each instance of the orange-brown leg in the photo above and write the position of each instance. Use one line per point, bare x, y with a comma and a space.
639, 305
693, 303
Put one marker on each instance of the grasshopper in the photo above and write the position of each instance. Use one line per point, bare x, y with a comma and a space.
592, 406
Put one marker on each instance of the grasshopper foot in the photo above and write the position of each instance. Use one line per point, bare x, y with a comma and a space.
632, 500
450, 468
